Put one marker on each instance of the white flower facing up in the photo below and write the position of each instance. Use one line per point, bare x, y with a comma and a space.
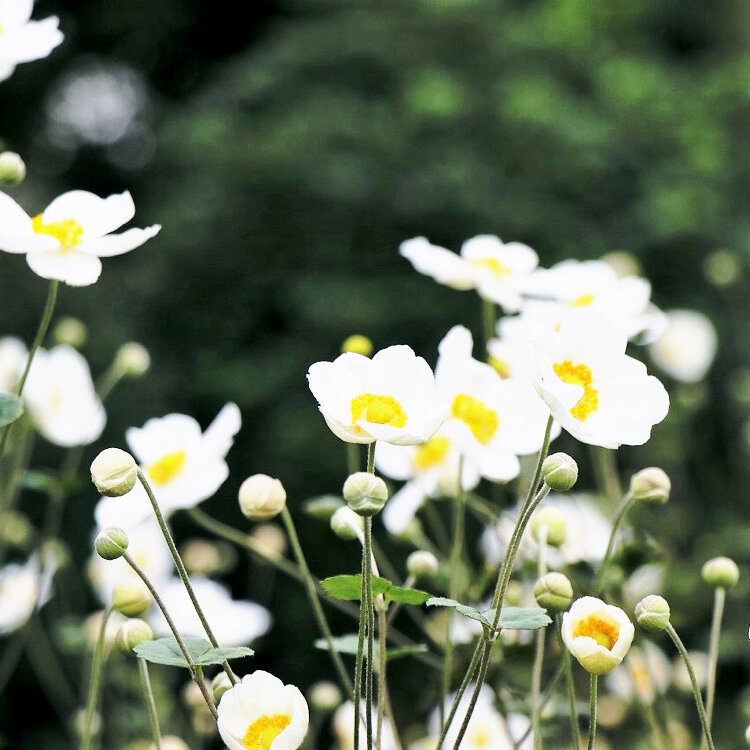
13, 356
261, 713
23, 40
597, 634
390, 397
66, 241
61, 398
497, 270
342, 724
22, 589
687, 347
593, 389
183, 465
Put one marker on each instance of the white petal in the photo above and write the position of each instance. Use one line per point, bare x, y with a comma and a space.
33, 40
403, 506
71, 267
15, 13
219, 435
117, 244
98, 216
441, 264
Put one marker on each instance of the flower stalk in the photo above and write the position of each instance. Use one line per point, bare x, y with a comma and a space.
96, 671
150, 703
625, 505
720, 594
593, 702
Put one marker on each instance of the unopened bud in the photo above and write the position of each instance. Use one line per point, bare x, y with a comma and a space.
70, 331
132, 360
554, 592
553, 520
111, 543
650, 485
81, 723
114, 472
365, 493
560, 472
652, 613
202, 558
261, 497
346, 524
422, 564
12, 168
325, 695
721, 572
131, 633
270, 538
15, 529
220, 684
358, 344
131, 598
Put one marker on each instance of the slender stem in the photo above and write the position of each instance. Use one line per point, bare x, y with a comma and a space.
605, 471
569, 684
461, 690
150, 703
694, 682
488, 323
536, 672
96, 670
370, 628
548, 691
625, 506
656, 731
484, 664
382, 683
371, 458
720, 595
352, 458
592, 711
357, 699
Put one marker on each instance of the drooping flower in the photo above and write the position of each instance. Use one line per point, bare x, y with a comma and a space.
261, 713
23, 40
593, 389
390, 397
597, 634
66, 241
342, 724
13, 356
687, 347
497, 270
23, 588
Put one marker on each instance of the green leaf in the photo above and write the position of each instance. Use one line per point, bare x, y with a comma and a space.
167, 651
522, 618
347, 644
463, 609
407, 596
323, 507
348, 588
11, 408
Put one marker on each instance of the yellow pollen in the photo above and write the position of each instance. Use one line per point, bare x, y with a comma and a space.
481, 420
166, 468
68, 231
500, 366
379, 409
263, 731
579, 374
583, 301
604, 632
480, 738
498, 268
431, 453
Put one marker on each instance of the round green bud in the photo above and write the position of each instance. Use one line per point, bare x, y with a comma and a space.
70, 331
346, 524
721, 572
652, 613
554, 592
114, 472
132, 360
12, 168
16, 529
111, 543
261, 497
358, 344
650, 485
422, 564
131, 598
220, 684
325, 695
553, 520
365, 493
560, 472
131, 633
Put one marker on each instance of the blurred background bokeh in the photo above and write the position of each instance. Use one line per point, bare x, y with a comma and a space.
287, 148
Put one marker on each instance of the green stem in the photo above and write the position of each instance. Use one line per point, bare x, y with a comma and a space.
461, 690
370, 628
382, 683
357, 699
352, 458
548, 692
625, 506
488, 323
592, 711
653, 723
96, 670
569, 684
484, 665
536, 672
150, 703
605, 471
371, 458
713, 653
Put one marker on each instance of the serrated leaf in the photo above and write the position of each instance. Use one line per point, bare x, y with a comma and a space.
347, 644
11, 408
348, 588
167, 651
323, 507
463, 609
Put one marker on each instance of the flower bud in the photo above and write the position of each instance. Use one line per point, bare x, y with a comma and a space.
560, 472
114, 472
111, 543
270, 538
325, 695
202, 558
346, 524
365, 493
71, 331
131, 598
131, 633
422, 564
12, 168
721, 572
652, 613
358, 344
220, 684
261, 497
554, 592
80, 720
553, 520
15, 529
132, 360
650, 485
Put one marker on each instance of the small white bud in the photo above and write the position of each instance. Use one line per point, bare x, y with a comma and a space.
270, 538
131, 633
12, 168
114, 472
553, 519
131, 598
365, 493
132, 360
346, 524
422, 564
650, 485
261, 497
219, 685
325, 695
71, 331
721, 572
560, 472
111, 543
652, 613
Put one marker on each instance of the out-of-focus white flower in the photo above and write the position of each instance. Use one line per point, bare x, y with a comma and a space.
390, 397
66, 241
508, 357
594, 390
23, 588
13, 356
699, 660
497, 270
183, 465
645, 580
234, 623
262, 712
687, 347
61, 398
647, 673
23, 40
342, 724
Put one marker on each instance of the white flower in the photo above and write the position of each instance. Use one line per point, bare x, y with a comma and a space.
23, 588
699, 661
183, 466
66, 241
233, 622
594, 390
61, 397
687, 347
13, 356
342, 724
22, 40
390, 397
597, 634
647, 673
508, 357
495, 269
261, 713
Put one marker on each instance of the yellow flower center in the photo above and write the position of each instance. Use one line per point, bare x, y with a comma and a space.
263, 731
604, 632
166, 468
431, 453
579, 374
585, 300
482, 421
67, 231
500, 366
380, 409
492, 264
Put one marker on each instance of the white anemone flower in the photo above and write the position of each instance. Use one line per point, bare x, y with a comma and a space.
593, 389
497, 270
61, 397
13, 356
342, 724
687, 348
262, 713
234, 622
23, 40
390, 397
66, 241
597, 634
647, 674
183, 465
491, 420
23, 588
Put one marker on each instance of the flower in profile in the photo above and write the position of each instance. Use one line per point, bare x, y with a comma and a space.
593, 389
23, 40
61, 398
497, 270
261, 713
687, 347
342, 724
390, 397
23, 588
597, 634
66, 240
13, 356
